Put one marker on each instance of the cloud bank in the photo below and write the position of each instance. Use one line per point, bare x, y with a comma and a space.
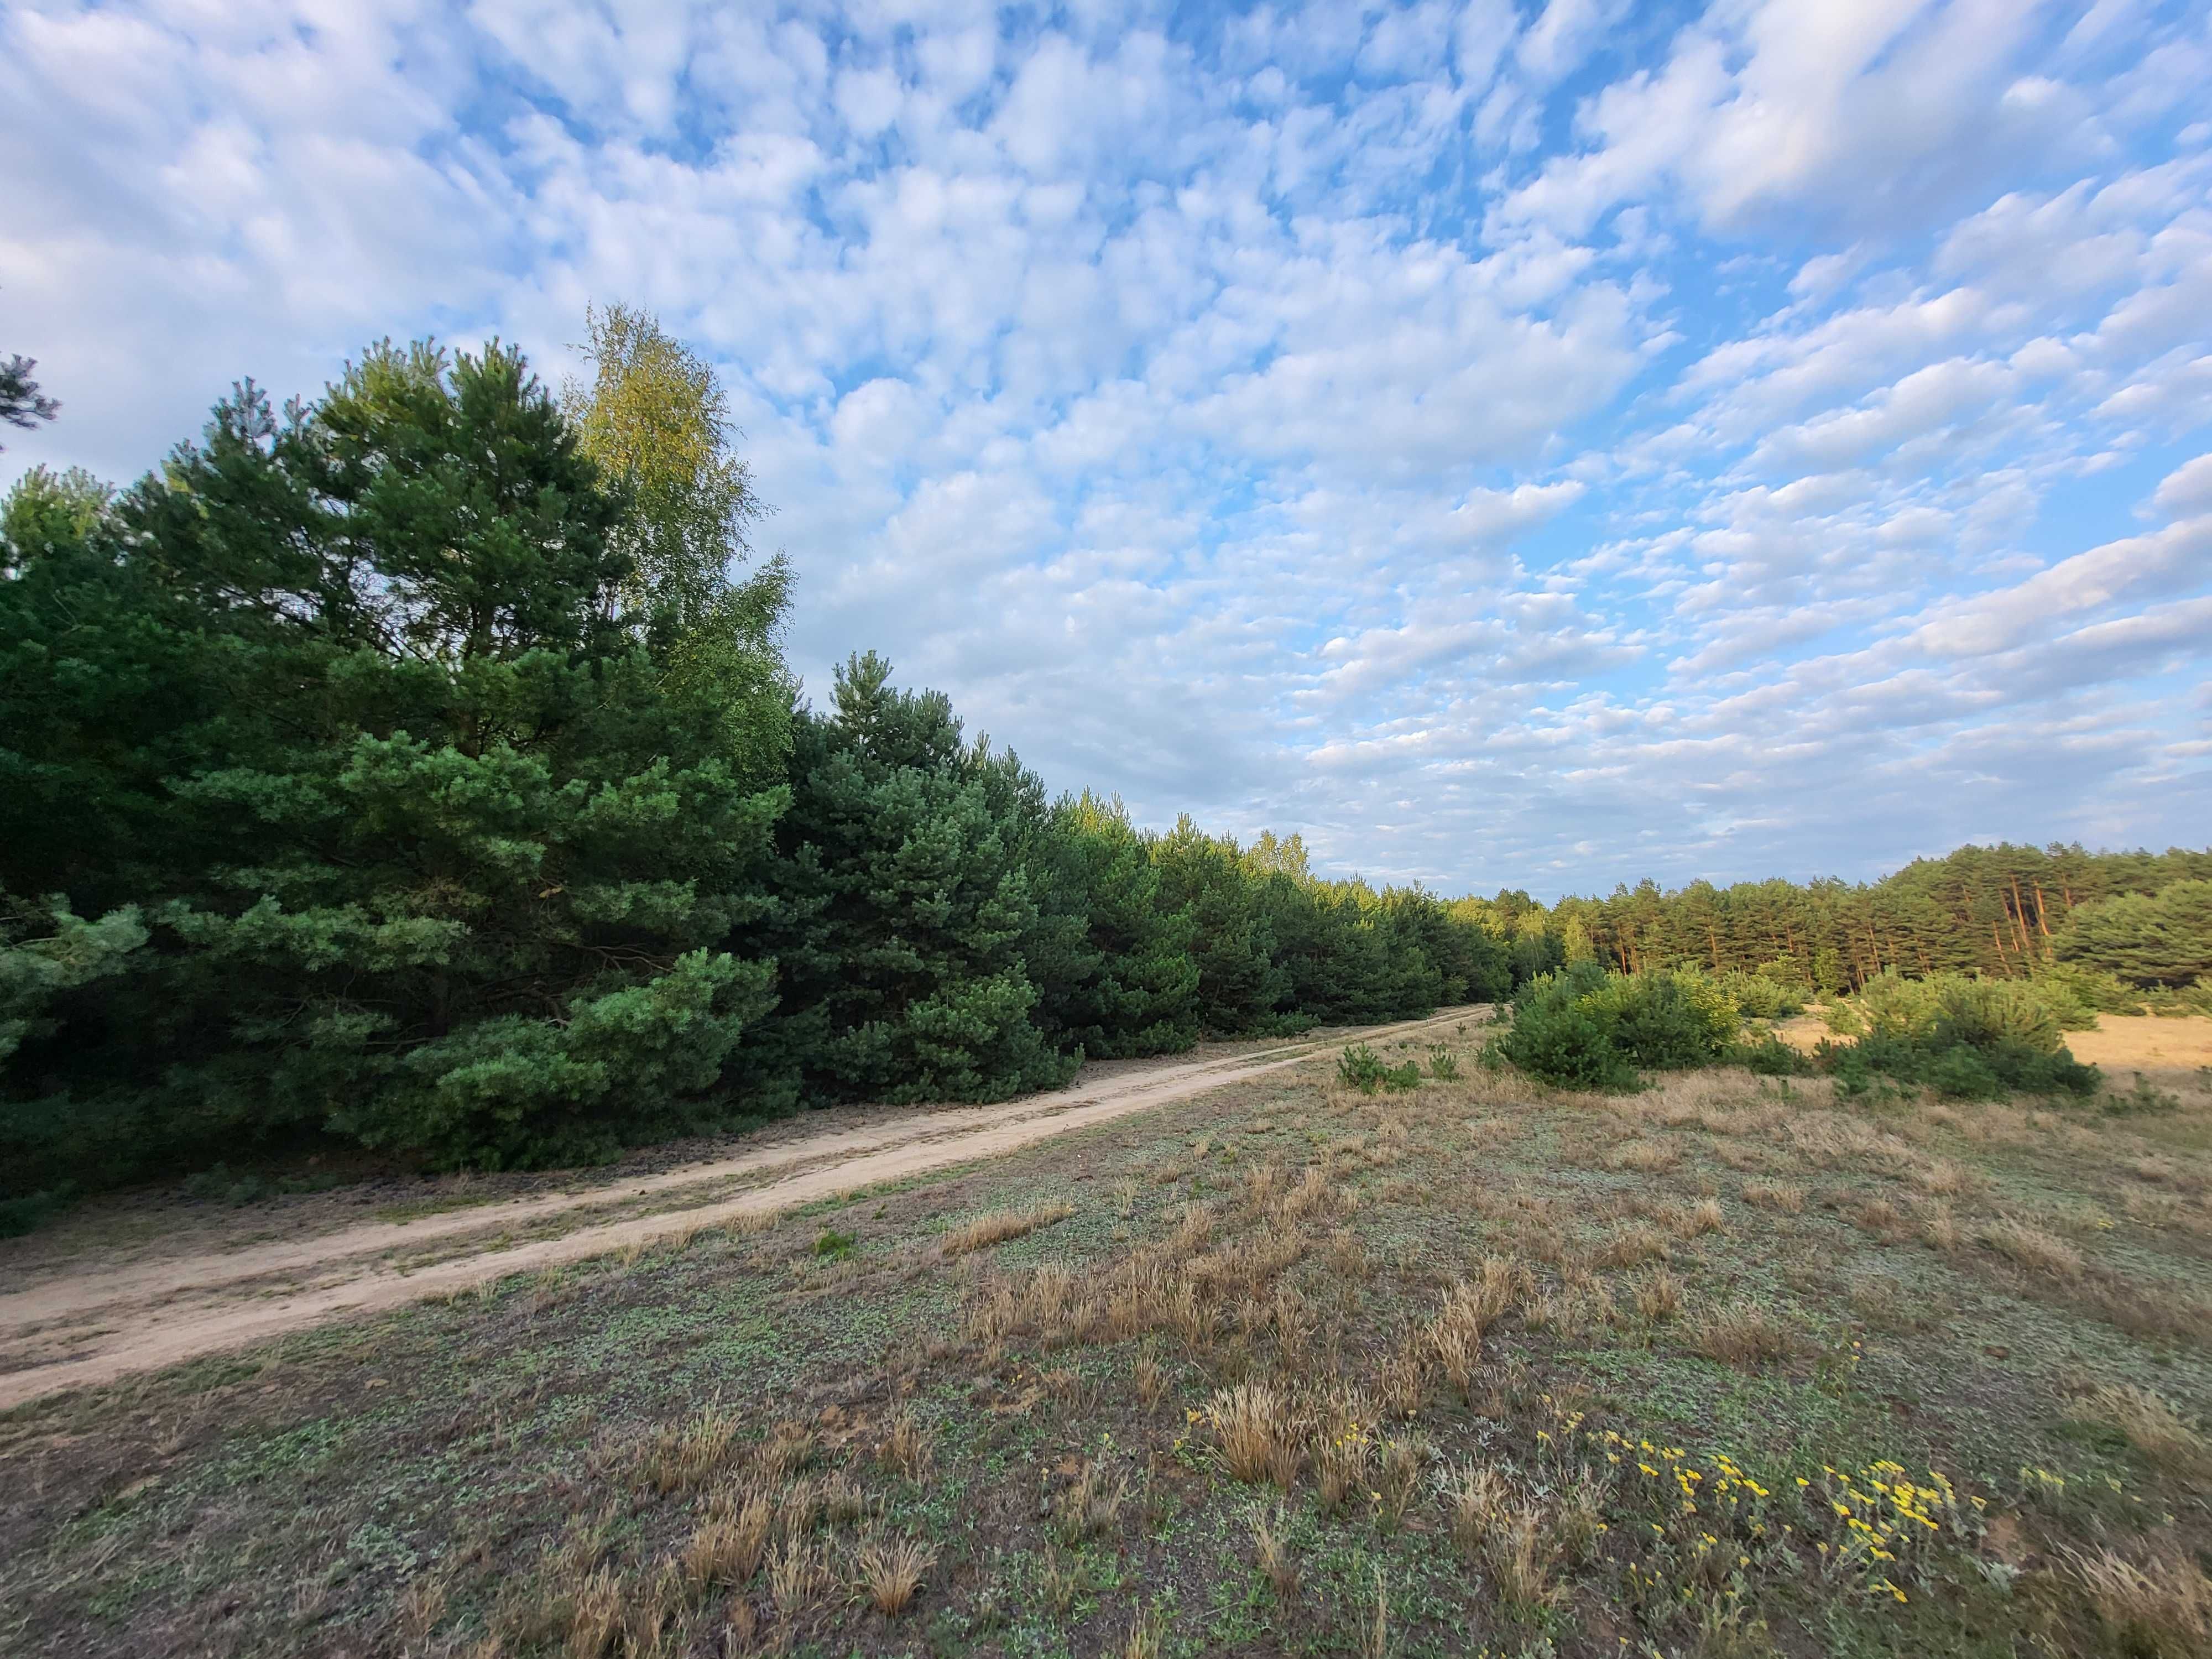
1544, 445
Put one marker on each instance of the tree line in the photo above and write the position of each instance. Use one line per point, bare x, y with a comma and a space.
418, 768
2002, 912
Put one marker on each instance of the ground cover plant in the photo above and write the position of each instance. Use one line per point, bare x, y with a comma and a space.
1728, 1366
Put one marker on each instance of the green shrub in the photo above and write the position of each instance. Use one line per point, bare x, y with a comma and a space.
1566, 1045
1444, 1065
1768, 1055
1760, 995
1582, 1027
1958, 1072
1980, 1047
1360, 1067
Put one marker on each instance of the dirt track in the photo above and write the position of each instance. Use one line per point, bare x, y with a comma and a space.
83, 1325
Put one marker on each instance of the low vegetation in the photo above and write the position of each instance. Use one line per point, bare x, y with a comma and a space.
1726, 1364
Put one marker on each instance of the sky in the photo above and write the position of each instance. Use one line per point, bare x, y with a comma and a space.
1539, 445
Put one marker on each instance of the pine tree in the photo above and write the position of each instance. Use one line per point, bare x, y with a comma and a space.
903, 910
435, 852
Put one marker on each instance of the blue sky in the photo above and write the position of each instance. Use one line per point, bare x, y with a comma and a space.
1543, 445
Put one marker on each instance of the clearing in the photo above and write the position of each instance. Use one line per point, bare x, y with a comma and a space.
1722, 1368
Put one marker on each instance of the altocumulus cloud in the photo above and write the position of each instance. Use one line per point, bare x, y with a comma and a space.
1547, 444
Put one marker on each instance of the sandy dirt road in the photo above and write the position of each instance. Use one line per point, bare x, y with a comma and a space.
83, 1324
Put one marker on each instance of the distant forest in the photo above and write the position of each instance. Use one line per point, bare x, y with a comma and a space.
1998, 911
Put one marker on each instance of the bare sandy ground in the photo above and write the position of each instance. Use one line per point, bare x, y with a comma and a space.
73, 1322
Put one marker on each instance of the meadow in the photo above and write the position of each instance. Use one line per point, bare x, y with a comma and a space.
1471, 1366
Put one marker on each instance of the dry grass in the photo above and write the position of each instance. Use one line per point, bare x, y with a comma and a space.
797, 1575
1254, 1429
1880, 1216
1632, 1247
1508, 1536
1147, 1636
724, 1549
1402, 1382
1151, 1380
790, 1447
1658, 1297
1945, 1177
2150, 1424
889, 1572
1940, 1229
1000, 1225
1271, 1548
1344, 1446
1090, 1507
1742, 1334
905, 1449
1456, 1342
2032, 1248
2157, 1607
1696, 1220
596, 1616
682, 1456
1783, 1197
1646, 1155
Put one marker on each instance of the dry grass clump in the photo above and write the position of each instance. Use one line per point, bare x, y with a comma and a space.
595, 1615
681, 1456
2150, 1423
1312, 1195
1271, 1547
1658, 1297
843, 1501
1646, 1155
1696, 1220
889, 1572
1632, 1247
1151, 1380
725, 1547
1402, 1382
1831, 1138
1945, 1177
1000, 1225
2159, 1608
798, 1575
2151, 1209
1783, 1197
1343, 1448
905, 1448
1455, 1335
1880, 1216
1091, 1504
1939, 1228
789, 1448
1503, 1283
1254, 1429
2032, 1248
1508, 1536
1742, 1334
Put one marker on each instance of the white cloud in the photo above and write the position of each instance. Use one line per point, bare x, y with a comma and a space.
1272, 415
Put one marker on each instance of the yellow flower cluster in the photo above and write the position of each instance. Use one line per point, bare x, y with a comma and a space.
1725, 1491
1888, 1520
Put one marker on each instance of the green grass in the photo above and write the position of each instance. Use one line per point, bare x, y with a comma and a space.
464, 1478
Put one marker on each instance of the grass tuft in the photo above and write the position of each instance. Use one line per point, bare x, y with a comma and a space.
998, 1226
